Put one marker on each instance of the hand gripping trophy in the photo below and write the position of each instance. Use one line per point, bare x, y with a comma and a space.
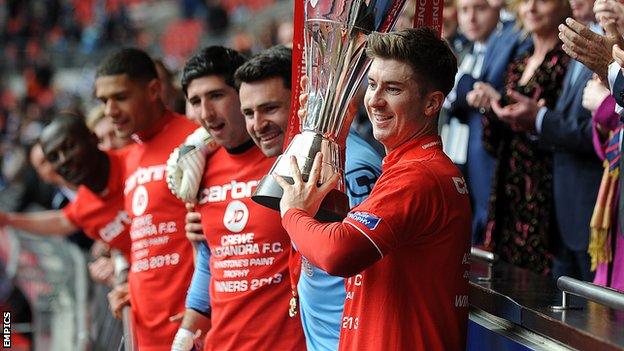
335, 34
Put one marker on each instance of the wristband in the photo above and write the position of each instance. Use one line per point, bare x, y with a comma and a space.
183, 340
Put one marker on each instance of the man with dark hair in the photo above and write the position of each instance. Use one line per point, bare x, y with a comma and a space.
71, 151
161, 258
264, 83
416, 217
265, 93
249, 248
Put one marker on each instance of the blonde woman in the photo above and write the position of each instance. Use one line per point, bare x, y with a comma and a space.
521, 225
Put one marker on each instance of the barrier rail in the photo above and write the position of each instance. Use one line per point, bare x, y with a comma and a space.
486, 256
604, 296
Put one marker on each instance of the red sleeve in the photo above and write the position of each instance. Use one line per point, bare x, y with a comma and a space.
337, 248
70, 213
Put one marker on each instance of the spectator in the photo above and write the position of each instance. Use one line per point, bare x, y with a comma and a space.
521, 221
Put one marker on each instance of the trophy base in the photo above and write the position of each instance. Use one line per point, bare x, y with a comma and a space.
334, 207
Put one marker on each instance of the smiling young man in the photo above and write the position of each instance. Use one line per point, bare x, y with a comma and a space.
72, 152
161, 257
417, 216
265, 93
249, 288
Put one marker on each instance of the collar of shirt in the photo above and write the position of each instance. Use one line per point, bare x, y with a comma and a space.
417, 148
157, 127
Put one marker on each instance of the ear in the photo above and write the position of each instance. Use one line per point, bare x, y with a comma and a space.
433, 103
153, 89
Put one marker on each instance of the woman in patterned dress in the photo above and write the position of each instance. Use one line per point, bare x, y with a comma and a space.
521, 225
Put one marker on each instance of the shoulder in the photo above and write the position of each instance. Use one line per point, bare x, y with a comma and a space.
359, 154
181, 122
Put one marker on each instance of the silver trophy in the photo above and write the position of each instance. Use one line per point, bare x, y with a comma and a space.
335, 42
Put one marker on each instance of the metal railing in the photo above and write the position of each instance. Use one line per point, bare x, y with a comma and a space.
601, 295
486, 256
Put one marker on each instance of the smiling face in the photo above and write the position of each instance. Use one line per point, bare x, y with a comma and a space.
128, 102
395, 103
265, 105
107, 137
215, 104
542, 16
71, 151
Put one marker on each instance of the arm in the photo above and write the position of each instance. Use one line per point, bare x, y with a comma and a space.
604, 121
53, 222
337, 248
197, 313
571, 134
198, 297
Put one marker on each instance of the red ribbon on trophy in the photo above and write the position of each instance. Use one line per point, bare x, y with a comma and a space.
298, 70
429, 14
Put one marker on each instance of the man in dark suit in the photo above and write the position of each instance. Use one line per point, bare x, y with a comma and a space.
494, 45
577, 171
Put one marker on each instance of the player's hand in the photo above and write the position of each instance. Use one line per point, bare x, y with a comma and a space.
118, 298
304, 195
192, 226
185, 339
102, 270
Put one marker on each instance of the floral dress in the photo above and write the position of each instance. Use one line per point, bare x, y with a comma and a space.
521, 224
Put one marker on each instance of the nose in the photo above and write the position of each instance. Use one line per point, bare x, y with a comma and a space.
472, 14
110, 108
207, 111
259, 123
376, 99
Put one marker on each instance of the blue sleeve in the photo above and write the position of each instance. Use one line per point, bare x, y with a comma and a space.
362, 169
198, 295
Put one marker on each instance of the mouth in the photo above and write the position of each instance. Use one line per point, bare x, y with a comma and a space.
120, 123
381, 119
73, 176
269, 137
216, 128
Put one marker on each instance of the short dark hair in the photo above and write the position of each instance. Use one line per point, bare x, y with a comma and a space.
273, 62
213, 60
135, 63
430, 57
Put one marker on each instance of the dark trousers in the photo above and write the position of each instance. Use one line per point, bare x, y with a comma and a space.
571, 263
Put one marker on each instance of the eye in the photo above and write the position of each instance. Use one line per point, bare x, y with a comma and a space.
216, 96
194, 102
52, 157
249, 114
271, 109
372, 85
393, 90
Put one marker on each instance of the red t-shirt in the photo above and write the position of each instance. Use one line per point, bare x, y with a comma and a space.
104, 218
161, 256
418, 217
249, 289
